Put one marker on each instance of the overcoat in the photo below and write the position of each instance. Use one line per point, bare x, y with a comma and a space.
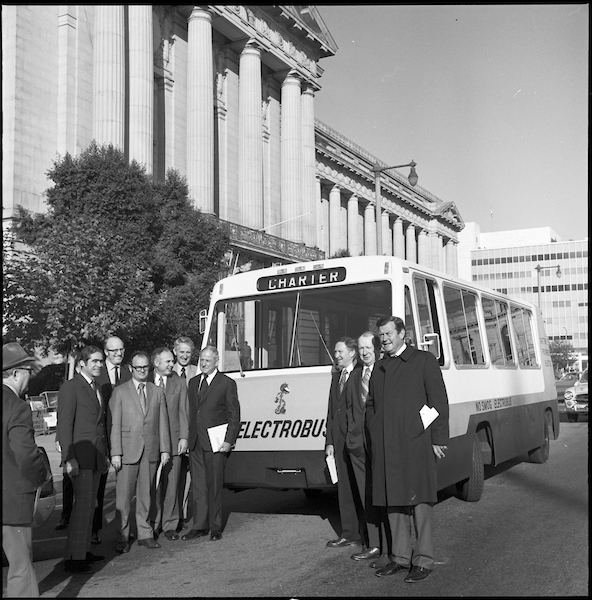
403, 461
23, 466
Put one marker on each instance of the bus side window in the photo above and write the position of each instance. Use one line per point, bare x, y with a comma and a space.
498, 335
425, 297
409, 320
522, 323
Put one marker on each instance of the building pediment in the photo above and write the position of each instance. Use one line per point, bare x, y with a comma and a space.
449, 212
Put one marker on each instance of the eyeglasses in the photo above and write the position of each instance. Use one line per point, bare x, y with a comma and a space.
115, 350
140, 367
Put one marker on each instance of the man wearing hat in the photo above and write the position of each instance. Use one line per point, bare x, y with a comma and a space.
24, 469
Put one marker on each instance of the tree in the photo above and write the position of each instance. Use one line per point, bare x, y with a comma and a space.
562, 354
115, 254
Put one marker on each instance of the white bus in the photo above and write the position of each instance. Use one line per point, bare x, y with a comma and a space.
492, 349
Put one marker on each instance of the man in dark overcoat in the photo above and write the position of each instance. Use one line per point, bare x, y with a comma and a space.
404, 452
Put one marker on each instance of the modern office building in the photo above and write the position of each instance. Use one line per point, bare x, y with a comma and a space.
224, 95
536, 265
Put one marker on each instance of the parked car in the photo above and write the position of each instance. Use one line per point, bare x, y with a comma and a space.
566, 381
576, 398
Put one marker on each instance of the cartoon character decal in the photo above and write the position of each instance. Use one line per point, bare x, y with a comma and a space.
279, 399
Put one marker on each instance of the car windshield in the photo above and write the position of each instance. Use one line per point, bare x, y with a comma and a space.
584, 377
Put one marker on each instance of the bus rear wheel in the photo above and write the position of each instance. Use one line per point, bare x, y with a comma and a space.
471, 489
541, 454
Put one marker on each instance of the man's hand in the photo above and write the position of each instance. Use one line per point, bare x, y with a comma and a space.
164, 458
116, 462
58, 447
224, 447
329, 450
182, 446
439, 450
72, 467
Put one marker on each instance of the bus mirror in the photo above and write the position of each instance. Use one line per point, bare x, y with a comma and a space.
203, 316
431, 343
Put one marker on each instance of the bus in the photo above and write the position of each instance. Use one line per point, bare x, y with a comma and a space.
275, 330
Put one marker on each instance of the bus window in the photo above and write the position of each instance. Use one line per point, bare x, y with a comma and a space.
428, 315
522, 323
498, 335
409, 320
465, 337
296, 328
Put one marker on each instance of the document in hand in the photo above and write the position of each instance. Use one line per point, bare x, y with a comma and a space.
217, 435
428, 415
332, 468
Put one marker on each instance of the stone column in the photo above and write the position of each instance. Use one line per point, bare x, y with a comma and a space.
437, 262
291, 160
387, 236
353, 239
451, 259
410, 244
250, 150
200, 110
369, 230
398, 239
66, 80
141, 85
335, 241
318, 213
308, 165
423, 249
109, 76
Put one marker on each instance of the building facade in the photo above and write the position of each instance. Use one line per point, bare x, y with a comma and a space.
535, 265
224, 95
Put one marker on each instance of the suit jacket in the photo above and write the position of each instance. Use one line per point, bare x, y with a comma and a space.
403, 461
24, 467
337, 410
81, 427
132, 432
105, 383
356, 411
178, 409
216, 406
190, 371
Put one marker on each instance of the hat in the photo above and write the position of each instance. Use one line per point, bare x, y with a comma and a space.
14, 356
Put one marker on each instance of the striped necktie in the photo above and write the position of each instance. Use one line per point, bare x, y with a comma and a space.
342, 380
365, 380
142, 397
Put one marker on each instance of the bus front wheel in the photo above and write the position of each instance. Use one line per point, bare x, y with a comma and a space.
471, 489
541, 454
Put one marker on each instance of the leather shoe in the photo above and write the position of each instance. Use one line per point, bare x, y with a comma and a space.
62, 524
94, 558
122, 547
417, 574
341, 542
78, 566
95, 539
391, 569
171, 535
149, 543
216, 535
365, 554
195, 533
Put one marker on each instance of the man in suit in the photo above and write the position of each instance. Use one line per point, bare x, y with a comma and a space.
140, 438
113, 373
82, 433
213, 400
183, 348
404, 452
175, 391
349, 501
24, 469
358, 450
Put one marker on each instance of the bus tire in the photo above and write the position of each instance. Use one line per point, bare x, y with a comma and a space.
541, 454
471, 489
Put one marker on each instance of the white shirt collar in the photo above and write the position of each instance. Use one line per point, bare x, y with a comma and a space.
211, 376
90, 381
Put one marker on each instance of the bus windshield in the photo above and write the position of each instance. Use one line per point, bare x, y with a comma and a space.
294, 328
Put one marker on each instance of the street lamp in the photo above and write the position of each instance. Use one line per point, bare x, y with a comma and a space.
538, 270
377, 170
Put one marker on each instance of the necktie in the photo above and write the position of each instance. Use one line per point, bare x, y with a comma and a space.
116, 375
365, 380
95, 387
142, 397
183, 372
342, 380
161, 383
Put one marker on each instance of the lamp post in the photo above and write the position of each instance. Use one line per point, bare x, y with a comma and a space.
538, 270
377, 170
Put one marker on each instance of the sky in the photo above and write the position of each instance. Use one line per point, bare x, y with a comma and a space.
490, 101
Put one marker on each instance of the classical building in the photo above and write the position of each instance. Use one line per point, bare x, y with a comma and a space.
225, 95
536, 265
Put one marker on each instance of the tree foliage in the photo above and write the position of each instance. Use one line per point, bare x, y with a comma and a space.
114, 254
562, 354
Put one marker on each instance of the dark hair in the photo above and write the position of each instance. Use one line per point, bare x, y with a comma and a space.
399, 323
375, 341
139, 353
350, 343
87, 352
157, 351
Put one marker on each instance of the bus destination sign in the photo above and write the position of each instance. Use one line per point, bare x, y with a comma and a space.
290, 281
